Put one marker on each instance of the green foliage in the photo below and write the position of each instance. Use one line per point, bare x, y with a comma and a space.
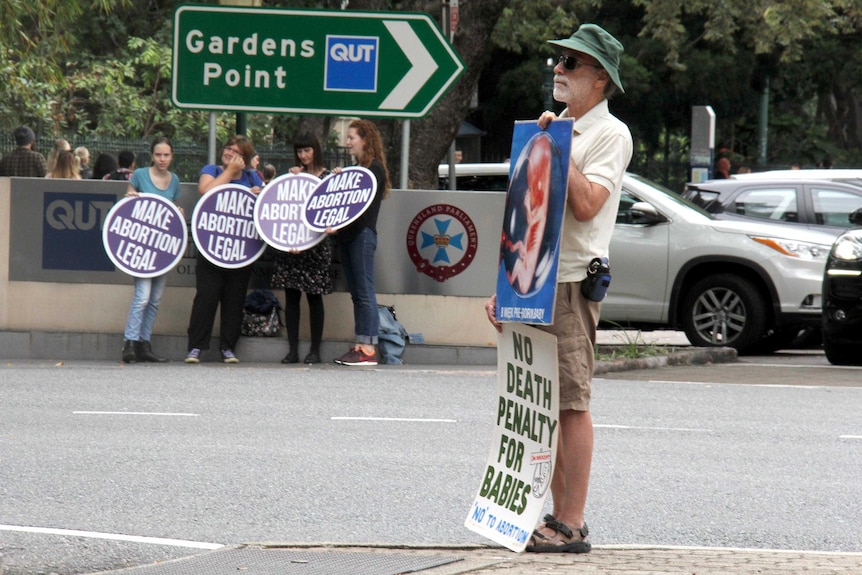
123, 96
21, 81
33, 39
528, 23
702, 52
103, 68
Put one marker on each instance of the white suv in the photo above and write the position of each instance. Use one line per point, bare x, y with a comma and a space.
748, 285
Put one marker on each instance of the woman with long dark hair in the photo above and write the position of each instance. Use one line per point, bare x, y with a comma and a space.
306, 271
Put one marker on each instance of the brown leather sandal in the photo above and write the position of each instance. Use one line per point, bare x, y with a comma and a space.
562, 541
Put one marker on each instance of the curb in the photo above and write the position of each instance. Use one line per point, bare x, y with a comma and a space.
693, 356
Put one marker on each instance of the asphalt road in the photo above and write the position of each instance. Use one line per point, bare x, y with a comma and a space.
95, 457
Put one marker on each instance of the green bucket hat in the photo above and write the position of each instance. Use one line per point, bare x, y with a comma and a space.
598, 43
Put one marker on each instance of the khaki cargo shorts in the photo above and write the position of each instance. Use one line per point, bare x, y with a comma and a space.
575, 321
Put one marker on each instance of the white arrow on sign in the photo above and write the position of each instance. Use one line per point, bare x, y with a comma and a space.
423, 68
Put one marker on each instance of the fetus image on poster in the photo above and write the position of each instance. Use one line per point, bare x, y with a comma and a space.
528, 243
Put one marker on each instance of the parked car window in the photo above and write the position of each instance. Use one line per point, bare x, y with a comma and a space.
708, 200
624, 212
778, 204
833, 207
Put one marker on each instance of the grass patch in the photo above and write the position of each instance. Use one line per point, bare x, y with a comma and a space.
631, 346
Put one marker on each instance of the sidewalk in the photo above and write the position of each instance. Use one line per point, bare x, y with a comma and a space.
289, 559
68, 346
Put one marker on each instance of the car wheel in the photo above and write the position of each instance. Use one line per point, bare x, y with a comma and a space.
842, 354
724, 310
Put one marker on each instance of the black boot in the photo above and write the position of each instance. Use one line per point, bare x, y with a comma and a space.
129, 355
144, 353
313, 356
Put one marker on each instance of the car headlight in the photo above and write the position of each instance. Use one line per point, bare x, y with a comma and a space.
794, 249
847, 248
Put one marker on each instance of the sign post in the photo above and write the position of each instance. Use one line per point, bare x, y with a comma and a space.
702, 143
351, 63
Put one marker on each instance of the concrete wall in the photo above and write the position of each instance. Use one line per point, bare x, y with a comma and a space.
437, 286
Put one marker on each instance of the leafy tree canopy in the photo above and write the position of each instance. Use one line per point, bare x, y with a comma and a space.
103, 67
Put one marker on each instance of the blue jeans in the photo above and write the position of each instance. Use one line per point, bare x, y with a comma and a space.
357, 260
145, 304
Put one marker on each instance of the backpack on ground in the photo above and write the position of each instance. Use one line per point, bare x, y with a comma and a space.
392, 337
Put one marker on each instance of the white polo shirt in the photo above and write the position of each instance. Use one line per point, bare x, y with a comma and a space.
602, 150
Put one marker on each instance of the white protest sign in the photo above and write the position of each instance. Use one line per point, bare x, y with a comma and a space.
523, 451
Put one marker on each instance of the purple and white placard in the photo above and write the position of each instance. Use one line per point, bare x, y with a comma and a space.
278, 213
223, 227
145, 236
340, 199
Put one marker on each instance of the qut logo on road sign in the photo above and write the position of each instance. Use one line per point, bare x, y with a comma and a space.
351, 63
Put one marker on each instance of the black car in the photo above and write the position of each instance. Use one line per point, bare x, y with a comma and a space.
800, 202
842, 300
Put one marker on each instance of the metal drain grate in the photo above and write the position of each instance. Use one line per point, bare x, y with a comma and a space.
250, 560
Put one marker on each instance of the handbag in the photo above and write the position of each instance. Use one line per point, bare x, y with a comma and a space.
260, 316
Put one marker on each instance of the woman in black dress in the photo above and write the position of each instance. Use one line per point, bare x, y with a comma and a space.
307, 271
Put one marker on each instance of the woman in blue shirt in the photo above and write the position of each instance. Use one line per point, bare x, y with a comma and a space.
216, 285
148, 291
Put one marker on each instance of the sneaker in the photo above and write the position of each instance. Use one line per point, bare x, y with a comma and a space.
194, 356
357, 357
228, 356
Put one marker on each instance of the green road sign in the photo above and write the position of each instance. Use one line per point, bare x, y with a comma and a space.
395, 64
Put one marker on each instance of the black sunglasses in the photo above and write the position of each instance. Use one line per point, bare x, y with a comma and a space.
572, 63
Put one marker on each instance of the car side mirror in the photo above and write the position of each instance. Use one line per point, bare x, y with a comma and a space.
855, 217
645, 213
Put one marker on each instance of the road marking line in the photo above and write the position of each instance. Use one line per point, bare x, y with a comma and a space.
850, 437
113, 537
719, 384
635, 546
136, 413
609, 426
395, 419
794, 365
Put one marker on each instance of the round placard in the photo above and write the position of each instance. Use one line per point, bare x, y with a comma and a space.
340, 199
278, 213
223, 227
145, 236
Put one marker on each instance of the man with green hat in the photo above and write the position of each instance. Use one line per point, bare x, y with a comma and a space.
585, 76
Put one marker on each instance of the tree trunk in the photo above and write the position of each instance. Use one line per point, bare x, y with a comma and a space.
430, 137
